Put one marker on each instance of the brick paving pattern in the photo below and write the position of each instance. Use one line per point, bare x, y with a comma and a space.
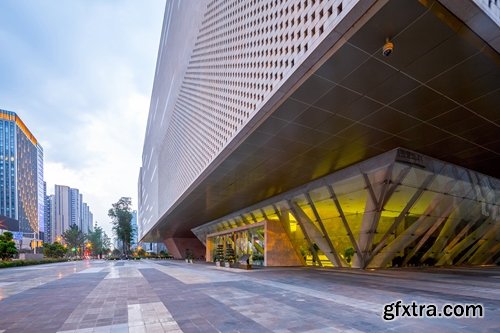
172, 296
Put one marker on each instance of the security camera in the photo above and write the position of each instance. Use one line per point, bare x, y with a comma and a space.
388, 48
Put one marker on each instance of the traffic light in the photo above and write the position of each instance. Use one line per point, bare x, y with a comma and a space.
36, 243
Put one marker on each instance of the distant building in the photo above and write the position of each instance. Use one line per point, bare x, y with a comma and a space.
76, 207
62, 210
153, 247
87, 218
69, 209
48, 213
21, 174
133, 222
40, 193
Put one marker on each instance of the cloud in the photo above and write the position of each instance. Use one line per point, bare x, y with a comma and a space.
80, 73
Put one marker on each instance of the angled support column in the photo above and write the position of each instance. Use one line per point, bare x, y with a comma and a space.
225, 226
428, 234
490, 245
315, 235
442, 238
374, 208
415, 231
253, 217
235, 223
492, 254
428, 180
338, 260
446, 233
277, 211
452, 252
244, 219
446, 239
470, 252
293, 208
285, 223
264, 215
335, 200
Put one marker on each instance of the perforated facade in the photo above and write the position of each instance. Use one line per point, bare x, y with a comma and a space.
253, 98
242, 54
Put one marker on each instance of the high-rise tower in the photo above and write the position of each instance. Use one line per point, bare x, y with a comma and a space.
21, 174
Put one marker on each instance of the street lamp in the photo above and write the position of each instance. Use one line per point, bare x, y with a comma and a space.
88, 245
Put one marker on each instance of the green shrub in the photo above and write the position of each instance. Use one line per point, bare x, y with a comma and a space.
7, 246
18, 263
54, 250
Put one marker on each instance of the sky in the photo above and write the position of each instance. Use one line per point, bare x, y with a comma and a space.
79, 74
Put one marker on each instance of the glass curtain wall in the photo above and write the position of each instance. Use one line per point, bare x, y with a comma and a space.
248, 242
394, 215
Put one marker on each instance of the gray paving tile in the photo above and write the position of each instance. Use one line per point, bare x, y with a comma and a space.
155, 296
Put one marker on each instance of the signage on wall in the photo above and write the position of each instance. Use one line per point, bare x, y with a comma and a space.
410, 157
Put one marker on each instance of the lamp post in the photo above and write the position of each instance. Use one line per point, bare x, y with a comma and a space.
88, 246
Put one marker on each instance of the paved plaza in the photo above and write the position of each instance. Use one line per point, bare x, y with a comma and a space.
172, 296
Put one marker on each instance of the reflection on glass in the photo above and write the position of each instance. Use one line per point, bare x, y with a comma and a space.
391, 215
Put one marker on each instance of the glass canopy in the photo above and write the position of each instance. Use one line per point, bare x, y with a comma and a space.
398, 209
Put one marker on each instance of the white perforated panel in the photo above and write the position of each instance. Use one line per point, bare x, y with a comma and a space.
243, 52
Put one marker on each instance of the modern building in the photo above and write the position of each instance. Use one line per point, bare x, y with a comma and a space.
150, 247
69, 209
75, 207
135, 228
62, 211
21, 175
87, 218
334, 133
48, 212
153, 247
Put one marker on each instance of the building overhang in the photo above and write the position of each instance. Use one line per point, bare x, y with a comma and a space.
437, 94
399, 208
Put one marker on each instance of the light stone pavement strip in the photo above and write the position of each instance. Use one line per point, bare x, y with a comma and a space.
172, 296
120, 303
151, 317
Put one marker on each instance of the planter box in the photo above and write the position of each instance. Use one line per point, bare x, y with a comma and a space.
30, 256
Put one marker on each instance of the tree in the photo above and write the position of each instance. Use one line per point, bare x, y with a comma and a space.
122, 222
99, 240
106, 244
95, 239
74, 238
7, 246
54, 250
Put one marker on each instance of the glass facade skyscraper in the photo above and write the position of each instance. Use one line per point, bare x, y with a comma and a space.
21, 174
